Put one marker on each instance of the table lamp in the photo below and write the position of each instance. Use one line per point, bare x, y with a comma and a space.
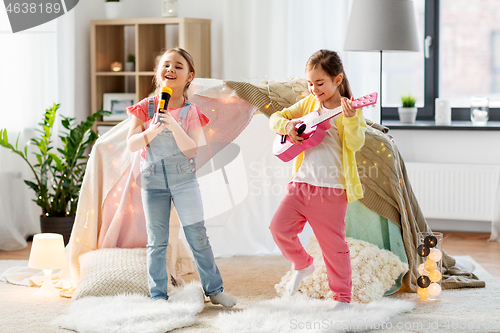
47, 253
382, 25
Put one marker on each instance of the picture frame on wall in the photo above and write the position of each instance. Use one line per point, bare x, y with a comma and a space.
117, 103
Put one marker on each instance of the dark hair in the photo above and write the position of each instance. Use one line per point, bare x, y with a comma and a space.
183, 53
330, 62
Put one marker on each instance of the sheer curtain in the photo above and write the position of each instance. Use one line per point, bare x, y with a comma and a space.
272, 40
28, 85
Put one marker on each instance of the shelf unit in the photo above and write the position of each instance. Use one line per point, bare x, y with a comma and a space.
146, 38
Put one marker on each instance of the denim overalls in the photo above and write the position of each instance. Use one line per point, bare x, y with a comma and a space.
167, 175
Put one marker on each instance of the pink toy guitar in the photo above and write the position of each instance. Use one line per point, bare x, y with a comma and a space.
312, 128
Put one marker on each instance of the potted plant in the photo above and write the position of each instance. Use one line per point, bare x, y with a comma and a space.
57, 175
113, 9
130, 64
408, 112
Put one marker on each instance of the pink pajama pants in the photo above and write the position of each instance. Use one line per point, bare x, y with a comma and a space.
325, 209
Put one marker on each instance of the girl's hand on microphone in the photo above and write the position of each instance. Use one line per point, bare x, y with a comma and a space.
169, 121
156, 129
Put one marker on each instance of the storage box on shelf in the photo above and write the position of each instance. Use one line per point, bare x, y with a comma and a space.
146, 38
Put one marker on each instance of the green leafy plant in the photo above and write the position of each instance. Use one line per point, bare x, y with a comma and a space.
58, 177
408, 101
131, 58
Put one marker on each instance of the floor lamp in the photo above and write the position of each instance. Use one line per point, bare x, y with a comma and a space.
382, 25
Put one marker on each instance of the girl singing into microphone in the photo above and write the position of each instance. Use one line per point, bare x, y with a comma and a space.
168, 173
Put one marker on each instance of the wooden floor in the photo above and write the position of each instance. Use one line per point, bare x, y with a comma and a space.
476, 245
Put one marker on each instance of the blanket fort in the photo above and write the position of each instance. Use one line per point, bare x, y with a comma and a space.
110, 211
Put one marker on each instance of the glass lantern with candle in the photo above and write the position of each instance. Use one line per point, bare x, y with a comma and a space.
169, 8
116, 66
479, 110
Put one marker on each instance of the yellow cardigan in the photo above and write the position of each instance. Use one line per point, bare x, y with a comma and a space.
351, 132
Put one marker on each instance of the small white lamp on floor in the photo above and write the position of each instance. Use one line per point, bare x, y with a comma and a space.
47, 253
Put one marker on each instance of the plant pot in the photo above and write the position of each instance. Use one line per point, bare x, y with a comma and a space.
129, 66
113, 9
58, 225
407, 115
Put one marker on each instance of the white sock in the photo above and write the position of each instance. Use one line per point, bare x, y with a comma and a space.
341, 306
297, 278
223, 299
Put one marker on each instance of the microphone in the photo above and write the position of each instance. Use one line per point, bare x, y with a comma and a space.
165, 94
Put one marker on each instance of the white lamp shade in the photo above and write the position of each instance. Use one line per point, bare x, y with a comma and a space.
382, 25
47, 252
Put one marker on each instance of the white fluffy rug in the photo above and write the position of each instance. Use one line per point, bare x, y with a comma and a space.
299, 313
134, 313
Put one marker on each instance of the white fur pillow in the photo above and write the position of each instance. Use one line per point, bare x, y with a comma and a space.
113, 271
374, 271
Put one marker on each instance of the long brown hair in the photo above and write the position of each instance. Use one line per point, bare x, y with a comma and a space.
330, 62
183, 53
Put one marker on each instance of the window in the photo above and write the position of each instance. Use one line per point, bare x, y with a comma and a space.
463, 59
495, 55
29, 67
403, 73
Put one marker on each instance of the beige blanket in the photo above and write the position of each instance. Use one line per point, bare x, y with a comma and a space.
112, 165
387, 190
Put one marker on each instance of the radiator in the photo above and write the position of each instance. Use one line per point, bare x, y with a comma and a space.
455, 191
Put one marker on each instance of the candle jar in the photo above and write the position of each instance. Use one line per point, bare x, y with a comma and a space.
479, 110
429, 265
443, 112
116, 66
169, 8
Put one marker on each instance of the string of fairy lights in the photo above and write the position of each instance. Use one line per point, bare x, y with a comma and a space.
430, 269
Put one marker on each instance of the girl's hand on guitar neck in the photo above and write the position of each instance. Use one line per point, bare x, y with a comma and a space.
347, 108
291, 130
